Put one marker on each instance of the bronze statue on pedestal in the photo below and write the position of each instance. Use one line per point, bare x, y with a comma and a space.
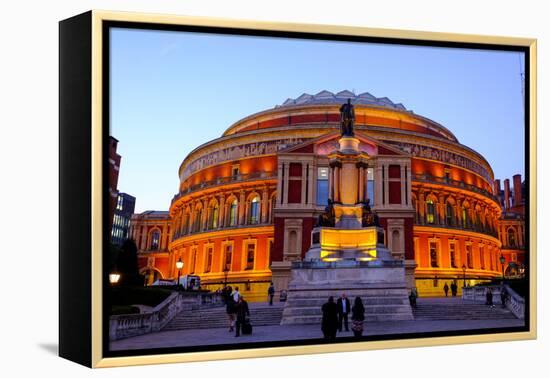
347, 119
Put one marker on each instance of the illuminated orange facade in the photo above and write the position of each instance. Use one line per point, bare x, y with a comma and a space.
248, 201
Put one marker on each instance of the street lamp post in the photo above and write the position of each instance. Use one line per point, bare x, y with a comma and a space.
502, 262
225, 272
179, 267
114, 277
464, 275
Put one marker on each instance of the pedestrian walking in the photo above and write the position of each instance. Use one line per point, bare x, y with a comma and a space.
489, 297
329, 323
446, 289
343, 311
241, 311
503, 296
454, 289
357, 317
271, 293
229, 307
236, 295
412, 297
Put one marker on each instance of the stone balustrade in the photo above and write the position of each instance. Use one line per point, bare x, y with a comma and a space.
129, 325
515, 303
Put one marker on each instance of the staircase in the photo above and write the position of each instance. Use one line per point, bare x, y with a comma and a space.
303, 309
458, 309
261, 314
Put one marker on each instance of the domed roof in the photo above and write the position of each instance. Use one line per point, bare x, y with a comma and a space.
327, 97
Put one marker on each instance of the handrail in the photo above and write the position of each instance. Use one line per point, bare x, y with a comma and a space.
514, 302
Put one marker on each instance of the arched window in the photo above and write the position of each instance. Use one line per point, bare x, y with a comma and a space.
434, 261
450, 214
198, 219
233, 213
430, 211
213, 220
254, 212
511, 237
155, 241
185, 228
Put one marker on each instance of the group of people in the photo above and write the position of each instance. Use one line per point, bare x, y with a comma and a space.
454, 289
489, 296
336, 314
236, 308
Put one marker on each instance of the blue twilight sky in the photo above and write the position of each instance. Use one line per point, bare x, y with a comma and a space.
172, 91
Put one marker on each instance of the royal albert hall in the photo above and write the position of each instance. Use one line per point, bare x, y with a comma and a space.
247, 201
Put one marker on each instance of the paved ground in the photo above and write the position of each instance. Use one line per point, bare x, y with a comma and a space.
219, 336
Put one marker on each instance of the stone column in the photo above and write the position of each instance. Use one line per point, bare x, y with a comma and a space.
304, 193
311, 184
285, 180
378, 183
409, 182
264, 205
164, 243
221, 212
386, 185
403, 186
331, 183
279, 180
337, 183
143, 238
242, 204
361, 196
421, 207
205, 212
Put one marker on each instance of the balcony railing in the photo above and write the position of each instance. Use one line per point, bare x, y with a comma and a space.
475, 228
454, 183
225, 180
179, 235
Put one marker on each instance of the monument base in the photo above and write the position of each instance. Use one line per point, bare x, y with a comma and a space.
380, 284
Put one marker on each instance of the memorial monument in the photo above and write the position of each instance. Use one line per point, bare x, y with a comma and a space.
348, 253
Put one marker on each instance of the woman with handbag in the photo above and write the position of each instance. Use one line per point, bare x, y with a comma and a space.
357, 317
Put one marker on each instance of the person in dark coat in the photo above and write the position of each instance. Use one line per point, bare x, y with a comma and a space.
357, 317
446, 289
271, 293
229, 307
489, 297
343, 311
241, 311
454, 289
503, 296
329, 323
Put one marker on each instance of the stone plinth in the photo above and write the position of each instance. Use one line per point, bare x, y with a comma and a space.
380, 284
336, 244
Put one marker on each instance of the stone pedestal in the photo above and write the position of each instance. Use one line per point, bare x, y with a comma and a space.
381, 286
347, 258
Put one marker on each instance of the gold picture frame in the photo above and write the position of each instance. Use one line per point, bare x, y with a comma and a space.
86, 273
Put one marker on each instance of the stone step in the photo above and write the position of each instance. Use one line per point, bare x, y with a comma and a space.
373, 310
366, 302
217, 318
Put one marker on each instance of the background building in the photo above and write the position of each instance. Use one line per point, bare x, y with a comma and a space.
248, 201
114, 167
123, 212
